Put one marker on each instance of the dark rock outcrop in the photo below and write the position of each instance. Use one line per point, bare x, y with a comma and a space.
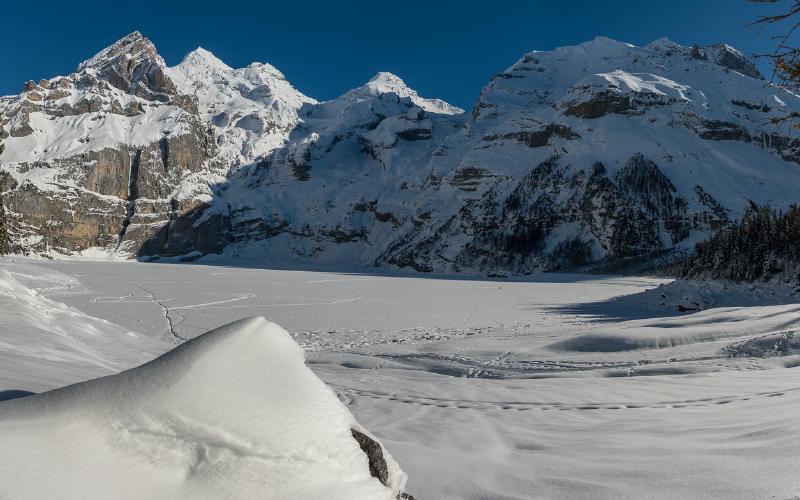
731, 58
377, 464
537, 138
133, 65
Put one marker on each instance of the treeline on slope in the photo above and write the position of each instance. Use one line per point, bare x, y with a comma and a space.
764, 245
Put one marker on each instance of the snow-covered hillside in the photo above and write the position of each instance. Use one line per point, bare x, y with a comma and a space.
578, 157
233, 413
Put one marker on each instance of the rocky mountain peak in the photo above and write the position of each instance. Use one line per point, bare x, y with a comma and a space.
663, 43
725, 55
200, 68
250, 110
133, 46
262, 73
133, 65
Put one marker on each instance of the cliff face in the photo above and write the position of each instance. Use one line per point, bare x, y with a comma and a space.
570, 159
98, 156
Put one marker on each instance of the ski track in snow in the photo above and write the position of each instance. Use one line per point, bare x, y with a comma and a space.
471, 404
295, 304
216, 303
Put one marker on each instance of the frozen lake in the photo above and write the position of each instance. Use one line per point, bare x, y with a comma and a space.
480, 389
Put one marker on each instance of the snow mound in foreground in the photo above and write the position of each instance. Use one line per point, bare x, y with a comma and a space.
233, 413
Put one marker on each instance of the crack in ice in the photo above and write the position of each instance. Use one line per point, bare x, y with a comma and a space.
165, 312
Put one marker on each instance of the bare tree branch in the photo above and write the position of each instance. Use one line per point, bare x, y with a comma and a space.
785, 58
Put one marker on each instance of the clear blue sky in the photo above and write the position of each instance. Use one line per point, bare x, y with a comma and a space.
447, 49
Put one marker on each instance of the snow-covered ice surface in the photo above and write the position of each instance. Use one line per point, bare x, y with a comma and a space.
512, 389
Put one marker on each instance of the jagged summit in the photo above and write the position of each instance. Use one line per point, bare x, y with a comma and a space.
131, 46
258, 72
250, 110
599, 46
134, 66
604, 41
663, 42
725, 55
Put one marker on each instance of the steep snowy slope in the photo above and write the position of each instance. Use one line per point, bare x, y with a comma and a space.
332, 193
251, 110
608, 150
585, 156
233, 413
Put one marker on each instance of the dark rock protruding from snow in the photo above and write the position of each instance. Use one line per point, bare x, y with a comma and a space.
374, 452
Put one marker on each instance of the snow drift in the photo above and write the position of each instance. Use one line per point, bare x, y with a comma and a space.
46, 344
233, 413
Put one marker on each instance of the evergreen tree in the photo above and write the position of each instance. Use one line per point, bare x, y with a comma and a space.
763, 246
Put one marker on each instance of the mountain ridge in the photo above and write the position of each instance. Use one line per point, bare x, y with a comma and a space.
569, 159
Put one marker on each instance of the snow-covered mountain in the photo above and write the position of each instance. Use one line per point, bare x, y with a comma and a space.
573, 158
250, 110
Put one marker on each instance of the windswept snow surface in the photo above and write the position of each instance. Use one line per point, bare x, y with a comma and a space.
562, 386
233, 413
46, 344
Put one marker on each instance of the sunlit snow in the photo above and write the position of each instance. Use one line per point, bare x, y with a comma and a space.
562, 386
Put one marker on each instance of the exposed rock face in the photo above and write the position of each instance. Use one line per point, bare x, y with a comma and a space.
103, 198
610, 102
377, 464
581, 157
635, 213
727, 56
120, 153
538, 138
67, 222
133, 66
